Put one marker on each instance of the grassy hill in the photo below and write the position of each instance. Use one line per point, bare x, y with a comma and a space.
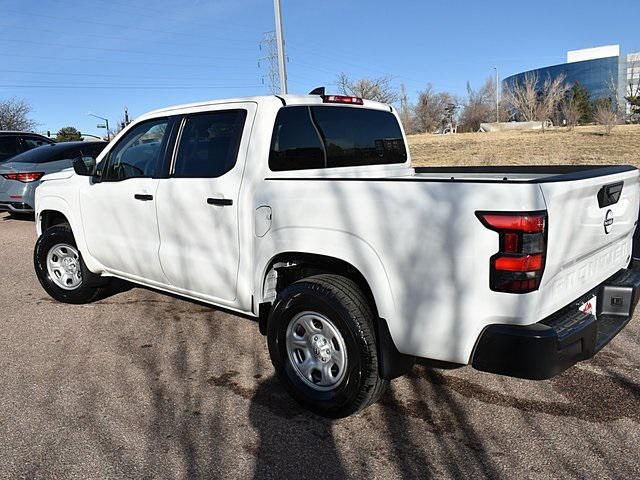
583, 145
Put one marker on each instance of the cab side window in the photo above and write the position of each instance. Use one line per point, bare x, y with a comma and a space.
139, 153
209, 144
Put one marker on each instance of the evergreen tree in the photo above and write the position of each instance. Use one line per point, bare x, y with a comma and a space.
68, 134
580, 97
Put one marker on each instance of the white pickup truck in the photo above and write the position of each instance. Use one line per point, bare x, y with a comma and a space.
304, 212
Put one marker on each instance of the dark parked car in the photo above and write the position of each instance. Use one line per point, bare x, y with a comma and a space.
20, 176
13, 143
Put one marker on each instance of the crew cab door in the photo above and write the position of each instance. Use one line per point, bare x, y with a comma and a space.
198, 203
119, 210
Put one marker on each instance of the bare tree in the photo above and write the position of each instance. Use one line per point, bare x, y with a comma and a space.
523, 97
477, 108
406, 112
480, 107
571, 112
14, 115
554, 90
433, 109
378, 89
606, 115
535, 101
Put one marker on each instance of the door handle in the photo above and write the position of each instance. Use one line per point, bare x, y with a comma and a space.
220, 201
143, 196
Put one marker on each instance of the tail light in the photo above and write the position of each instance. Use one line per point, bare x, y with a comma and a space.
519, 263
342, 99
24, 177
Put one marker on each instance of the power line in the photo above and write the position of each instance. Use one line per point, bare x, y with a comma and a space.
173, 43
82, 74
131, 87
118, 50
124, 62
103, 24
162, 13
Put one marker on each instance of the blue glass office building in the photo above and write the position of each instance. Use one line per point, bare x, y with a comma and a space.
597, 75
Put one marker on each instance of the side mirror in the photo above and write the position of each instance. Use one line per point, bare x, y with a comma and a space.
84, 166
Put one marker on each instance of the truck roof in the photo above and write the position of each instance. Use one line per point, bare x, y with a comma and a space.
285, 99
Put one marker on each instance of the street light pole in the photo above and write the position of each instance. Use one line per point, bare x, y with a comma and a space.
280, 41
106, 124
497, 96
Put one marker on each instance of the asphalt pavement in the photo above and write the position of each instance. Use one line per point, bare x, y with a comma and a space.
143, 385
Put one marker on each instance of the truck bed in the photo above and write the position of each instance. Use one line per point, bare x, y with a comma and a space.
422, 227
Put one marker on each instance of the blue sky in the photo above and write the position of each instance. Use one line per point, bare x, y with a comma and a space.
70, 57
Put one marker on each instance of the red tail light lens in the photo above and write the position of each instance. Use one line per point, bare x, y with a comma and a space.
24, 177
527, 223
519, 263
342, 99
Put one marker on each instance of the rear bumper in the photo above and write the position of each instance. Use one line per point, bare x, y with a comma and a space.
16, 207
546, 348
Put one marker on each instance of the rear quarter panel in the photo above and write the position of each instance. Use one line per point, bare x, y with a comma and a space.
420, 246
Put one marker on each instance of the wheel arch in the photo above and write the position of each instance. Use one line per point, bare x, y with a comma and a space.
304, 264
295, 265
360, 264
50, 218
53, 210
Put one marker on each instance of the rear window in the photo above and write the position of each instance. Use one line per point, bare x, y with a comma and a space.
307, 137
54, 153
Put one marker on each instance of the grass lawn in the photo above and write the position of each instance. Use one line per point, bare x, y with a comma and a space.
583, 145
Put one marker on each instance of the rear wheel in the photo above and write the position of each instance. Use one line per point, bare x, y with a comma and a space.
323, 347
61, 270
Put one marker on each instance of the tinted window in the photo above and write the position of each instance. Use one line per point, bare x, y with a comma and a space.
53, 153
138, 153
92, 149
38, 155
296, 144
33, 142
8, 147
326, 137
209, 144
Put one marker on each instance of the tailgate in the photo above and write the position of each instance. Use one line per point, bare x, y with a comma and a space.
589, 238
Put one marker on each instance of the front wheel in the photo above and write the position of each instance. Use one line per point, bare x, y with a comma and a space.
60, 268
322, 344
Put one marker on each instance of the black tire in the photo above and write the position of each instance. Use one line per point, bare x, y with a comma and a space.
89, 288
342, 301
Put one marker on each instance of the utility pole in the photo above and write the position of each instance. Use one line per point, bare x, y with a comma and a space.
280, 41
497, 96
